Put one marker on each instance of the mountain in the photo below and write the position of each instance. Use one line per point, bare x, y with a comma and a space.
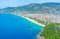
45, 8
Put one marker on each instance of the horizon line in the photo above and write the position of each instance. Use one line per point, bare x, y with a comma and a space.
29, 4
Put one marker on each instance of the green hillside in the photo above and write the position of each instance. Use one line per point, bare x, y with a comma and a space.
44, 8
51, 31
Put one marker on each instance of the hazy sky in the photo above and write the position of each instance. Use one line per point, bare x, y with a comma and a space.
15, 3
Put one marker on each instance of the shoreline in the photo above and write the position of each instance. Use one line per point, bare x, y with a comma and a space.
32, 21
38, 36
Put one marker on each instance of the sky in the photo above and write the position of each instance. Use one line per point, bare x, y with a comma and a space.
15, 3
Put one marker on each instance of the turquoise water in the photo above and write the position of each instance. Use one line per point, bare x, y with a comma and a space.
16, 27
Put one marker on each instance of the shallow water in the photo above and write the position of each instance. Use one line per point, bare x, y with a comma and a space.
16, 27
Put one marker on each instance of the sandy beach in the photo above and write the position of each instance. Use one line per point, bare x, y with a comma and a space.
32, 21
38, 36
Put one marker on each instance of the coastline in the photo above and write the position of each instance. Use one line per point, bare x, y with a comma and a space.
38, 36
32, 20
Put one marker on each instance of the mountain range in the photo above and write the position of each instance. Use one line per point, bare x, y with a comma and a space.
44, 8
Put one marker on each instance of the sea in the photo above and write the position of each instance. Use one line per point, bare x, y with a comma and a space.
16, 27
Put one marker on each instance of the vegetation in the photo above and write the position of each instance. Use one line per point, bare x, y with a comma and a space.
44, 8
51, 31
37, 20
